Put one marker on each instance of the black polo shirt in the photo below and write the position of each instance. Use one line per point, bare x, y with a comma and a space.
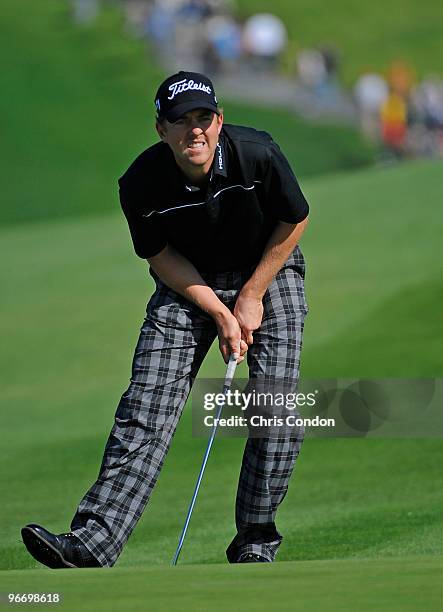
225, 225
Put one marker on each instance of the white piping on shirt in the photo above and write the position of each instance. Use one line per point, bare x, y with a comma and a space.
160, 212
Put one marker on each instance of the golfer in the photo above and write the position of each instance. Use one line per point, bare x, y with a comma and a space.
218, 213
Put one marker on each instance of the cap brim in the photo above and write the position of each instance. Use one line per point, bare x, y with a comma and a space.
179, 110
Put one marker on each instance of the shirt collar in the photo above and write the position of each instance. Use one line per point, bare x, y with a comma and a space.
220, 165
219, 168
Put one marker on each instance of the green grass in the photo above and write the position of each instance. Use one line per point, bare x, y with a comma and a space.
79, 108
367, 35
398, 585
362, 521
73, 294
374, 276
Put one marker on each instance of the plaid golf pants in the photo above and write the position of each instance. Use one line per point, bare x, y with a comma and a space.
174, 339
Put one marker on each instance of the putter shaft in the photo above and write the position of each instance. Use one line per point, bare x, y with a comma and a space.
227, 384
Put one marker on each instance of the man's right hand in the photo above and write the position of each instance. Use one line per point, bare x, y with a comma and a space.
229, 336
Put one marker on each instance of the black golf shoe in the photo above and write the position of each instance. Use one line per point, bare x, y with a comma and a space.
56, 551
252, 558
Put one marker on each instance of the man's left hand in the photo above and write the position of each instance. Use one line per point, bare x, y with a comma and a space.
249, 313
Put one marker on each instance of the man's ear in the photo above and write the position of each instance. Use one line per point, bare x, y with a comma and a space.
160, 130
219, 122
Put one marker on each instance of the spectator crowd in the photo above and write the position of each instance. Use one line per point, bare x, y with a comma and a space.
404, 116
407, 117
204, 35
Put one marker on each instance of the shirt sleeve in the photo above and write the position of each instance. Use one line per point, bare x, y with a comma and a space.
287, 200
147, 232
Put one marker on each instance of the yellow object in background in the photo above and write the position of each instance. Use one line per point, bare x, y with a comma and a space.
393, 110
401, 78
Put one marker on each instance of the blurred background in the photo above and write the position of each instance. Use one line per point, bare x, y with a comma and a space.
353, 94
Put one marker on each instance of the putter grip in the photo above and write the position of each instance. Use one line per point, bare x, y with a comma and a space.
232, 364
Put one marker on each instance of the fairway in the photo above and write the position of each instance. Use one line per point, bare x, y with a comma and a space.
363, 517
400, 585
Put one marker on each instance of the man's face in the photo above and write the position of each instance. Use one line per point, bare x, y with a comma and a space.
193, 139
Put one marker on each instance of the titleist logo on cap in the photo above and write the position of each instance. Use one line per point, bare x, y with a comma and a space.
185, 85
184, 92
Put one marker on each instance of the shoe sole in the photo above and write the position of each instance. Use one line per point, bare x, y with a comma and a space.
43, 551
245, 558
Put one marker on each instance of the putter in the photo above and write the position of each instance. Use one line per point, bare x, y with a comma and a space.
232, 364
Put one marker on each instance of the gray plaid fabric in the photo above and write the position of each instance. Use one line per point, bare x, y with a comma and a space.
174, 339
